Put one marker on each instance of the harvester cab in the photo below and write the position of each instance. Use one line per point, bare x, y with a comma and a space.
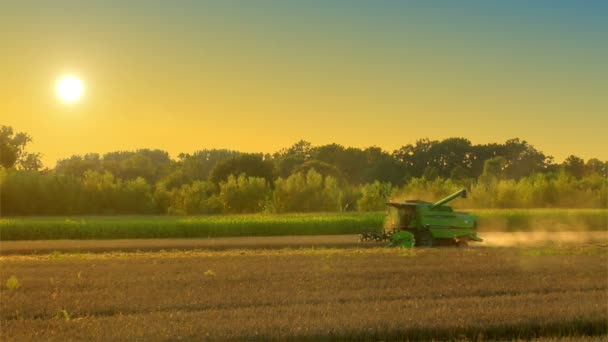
424, 224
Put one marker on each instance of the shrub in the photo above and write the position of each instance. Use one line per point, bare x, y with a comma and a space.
307, 193
243, 194
374, 196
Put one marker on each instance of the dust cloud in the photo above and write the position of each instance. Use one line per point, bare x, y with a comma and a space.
542, 238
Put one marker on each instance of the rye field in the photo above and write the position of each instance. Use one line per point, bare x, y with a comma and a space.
146, 227
308, 294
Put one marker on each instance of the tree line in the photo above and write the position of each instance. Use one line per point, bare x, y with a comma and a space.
299, 178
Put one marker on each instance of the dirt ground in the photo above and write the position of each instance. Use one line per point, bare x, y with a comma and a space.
491, 239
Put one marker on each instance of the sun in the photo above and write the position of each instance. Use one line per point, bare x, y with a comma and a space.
69, 89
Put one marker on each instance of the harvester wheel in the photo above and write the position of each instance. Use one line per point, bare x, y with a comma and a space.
462, 244
424, 239
402, 239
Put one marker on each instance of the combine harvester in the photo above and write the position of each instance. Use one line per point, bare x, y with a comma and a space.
424, 224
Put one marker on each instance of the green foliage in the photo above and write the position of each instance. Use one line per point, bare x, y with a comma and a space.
323, 168
541, 191
494, 169
574, 166
374, 196
251, 164
12, 150
142, 227
308, 178
198, 166
243, 194
192, 199
148, 227
308, 192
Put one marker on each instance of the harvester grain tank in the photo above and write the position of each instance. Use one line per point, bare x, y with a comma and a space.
424, 224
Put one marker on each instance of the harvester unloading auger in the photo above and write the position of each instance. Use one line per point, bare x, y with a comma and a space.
424, 224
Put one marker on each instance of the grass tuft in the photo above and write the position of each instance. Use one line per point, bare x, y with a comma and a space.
13, 283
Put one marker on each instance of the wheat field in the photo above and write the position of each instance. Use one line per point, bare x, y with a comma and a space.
307, 294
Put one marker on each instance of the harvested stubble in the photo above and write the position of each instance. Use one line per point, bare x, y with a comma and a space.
307, 294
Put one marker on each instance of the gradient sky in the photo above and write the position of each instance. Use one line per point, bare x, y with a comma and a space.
260, 75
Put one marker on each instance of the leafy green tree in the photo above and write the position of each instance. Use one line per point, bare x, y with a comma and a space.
251, 164
301, 149
243, 194
31, 162
323, 168
307, 193
351, 162
381, 166
415, 158
596, 166
151, 165
12, 150
287, 159
523, 159
198, 166
460, 173
77, 165
574, 166
135, 197
374, 196
430, 173
197, 198
494, 168
101, 191
285, 165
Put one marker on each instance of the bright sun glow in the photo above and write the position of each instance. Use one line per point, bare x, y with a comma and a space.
69, 89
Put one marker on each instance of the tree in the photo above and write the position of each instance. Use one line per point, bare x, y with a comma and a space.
284, 166
574, 166
243, 194
12, 150
77, 165
381, 166
302, 149
198, 166
374, 196
307, 193
287, 159
251, 164
151, 165
31, 162
596, 166
493, 169
351, 162
196, 198
460, 173
415, 158
323, 168
523, 159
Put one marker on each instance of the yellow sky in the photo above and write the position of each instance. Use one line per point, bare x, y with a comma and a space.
186, 77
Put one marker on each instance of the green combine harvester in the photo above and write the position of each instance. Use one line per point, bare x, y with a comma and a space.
424, 224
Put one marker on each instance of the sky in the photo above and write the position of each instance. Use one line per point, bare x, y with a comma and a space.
257, 76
